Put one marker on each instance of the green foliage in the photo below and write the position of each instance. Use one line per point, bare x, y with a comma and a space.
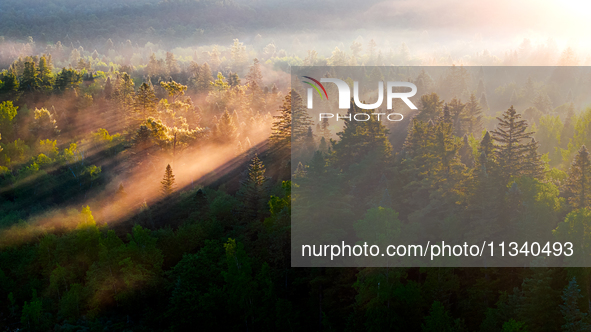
539, 295
174, 89
574, 319
44, 125
549, 135
7, 113
578, 185
67, 80
145, 102
198, 289
253, 190
514, 326
516, 150
440, 320
379, 225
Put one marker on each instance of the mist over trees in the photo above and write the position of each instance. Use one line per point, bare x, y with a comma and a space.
146, 173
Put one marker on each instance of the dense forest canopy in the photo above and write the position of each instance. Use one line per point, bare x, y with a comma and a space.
148, 151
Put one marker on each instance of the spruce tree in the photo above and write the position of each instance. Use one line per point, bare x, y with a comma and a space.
108, 89
445, 147
254, 78
431, 107
324, 127
578, 185
204, 79
233, 80
472, 122
532, 164
293, 120
457, 111
358, 139
253, 189
486, 145
484, 102
323, 145
124, 92
514, 146
309, 144
225, 130
574, 319
171, 64
121, 191
466, 153
539, 295
168, 181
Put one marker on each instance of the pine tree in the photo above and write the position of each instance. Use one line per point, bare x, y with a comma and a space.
309, 144
145, 101
233, 80
205, 78
513, 155
10, 81
29, 80
466, 153
575, 320
108, 89
168, 181
484, 102
253, 189
431, 107
74, 57
324, 127
171, 64
121, 191
418, 139
445, 147
532, 164
473, 117
225, 130
539, 295
67, 80
578, 185
289, 123
457, 112
7, 113
543, 103
124, 92
480, 89
568, 128
486, 154
175, 90
238, 51
152, 68
358, 139
45, 76
254, 78
323, 145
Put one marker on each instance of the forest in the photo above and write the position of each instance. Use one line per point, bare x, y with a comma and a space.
146, 178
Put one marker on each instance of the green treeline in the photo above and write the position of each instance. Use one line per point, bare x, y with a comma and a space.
82, 249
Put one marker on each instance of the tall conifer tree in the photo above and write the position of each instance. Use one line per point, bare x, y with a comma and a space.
578, 185
168, 182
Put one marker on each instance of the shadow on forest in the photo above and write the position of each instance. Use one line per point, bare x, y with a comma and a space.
39, 201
